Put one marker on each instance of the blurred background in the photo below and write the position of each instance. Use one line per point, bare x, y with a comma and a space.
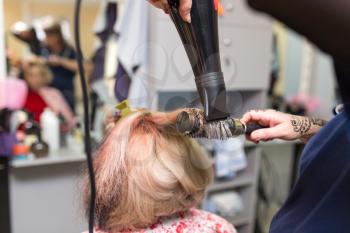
133, 52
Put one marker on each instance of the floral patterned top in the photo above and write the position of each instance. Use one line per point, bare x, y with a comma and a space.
192, 221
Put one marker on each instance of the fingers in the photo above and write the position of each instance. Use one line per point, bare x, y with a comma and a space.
185, 10
261, 117
247, 137
268, 134
270, 118
279, 124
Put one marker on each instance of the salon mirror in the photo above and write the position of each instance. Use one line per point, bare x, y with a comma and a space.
44, 29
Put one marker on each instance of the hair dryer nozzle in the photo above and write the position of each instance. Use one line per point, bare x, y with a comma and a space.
201, 42
212, 91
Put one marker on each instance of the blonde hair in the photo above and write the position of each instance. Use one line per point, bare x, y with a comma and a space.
44, 70
144, 170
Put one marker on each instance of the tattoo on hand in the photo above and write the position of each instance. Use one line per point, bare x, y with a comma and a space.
318, 122
301, 125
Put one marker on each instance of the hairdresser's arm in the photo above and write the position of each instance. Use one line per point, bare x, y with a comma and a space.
70, 64
325, 22
282, 126
67, 63
185, 7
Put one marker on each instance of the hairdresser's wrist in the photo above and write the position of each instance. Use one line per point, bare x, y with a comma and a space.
306, 127
63, 61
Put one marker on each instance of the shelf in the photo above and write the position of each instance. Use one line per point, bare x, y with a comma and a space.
240, 220
65, 155
239, 181
244, 177
276, 142
246, 228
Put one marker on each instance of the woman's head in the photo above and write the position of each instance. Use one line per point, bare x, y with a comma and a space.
144, 170
37, 75
54, 38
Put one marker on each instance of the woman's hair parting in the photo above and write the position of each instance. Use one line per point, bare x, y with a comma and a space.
44, 70
144, 170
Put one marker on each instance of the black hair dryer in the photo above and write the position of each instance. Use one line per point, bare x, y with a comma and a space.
201, 42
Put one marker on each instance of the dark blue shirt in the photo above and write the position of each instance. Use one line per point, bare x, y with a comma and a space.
320, 201
63, 78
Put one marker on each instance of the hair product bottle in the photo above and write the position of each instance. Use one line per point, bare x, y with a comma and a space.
50, 126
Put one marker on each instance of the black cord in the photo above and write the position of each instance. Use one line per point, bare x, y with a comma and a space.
87, 141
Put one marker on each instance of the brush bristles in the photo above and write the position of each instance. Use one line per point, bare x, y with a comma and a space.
191, 122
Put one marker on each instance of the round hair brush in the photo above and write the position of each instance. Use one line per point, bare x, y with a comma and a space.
191, 122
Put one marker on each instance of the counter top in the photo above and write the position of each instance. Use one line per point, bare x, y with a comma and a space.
76, 154
64, 155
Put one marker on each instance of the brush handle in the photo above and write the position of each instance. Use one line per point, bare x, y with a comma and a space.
251, 127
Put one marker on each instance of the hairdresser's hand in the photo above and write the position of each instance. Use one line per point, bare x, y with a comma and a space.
282, 126
54, 60
185, 8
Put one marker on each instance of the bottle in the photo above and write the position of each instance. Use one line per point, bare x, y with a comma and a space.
31, 130
20, 150
40, 149
50, 129
30, 126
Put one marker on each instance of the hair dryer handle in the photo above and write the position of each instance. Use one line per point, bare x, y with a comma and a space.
251, 127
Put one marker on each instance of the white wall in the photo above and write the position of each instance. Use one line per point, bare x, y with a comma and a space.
323, 84
322, 78
293, 63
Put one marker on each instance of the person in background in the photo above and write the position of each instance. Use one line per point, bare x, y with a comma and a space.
60, 57
41, 96
150, 179
27, 33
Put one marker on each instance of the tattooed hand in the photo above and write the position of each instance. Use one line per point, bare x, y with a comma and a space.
282, 126
306, 126
185, 8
